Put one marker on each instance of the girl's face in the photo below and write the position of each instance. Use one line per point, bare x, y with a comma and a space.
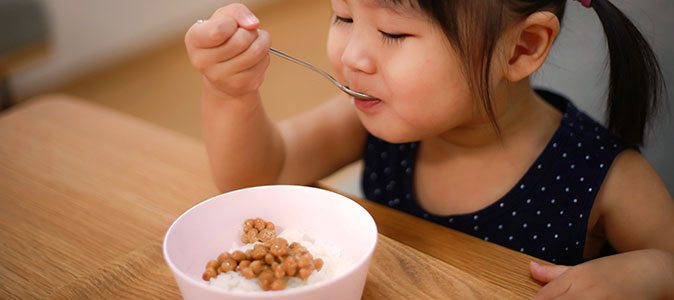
401, 56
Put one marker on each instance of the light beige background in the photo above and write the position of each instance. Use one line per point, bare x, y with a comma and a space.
129, 55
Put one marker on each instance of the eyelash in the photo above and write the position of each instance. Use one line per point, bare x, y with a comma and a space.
393, 38
339, 19
387, 37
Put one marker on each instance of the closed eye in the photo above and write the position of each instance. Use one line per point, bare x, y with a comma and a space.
393, 37
339, 19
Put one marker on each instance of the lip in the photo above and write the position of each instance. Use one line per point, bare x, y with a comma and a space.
366, 105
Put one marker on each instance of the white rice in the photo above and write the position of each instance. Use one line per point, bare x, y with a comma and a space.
333, 265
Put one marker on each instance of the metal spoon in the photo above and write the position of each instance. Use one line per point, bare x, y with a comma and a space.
326, 75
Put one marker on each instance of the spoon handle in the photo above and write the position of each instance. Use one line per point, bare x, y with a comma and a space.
319, 71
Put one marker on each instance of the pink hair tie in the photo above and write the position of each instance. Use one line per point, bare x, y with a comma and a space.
586, 3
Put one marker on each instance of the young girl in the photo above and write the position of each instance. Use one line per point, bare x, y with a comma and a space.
458, 136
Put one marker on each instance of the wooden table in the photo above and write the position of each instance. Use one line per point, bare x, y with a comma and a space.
87, 194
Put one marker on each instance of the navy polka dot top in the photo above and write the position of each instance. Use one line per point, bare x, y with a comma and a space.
544, 215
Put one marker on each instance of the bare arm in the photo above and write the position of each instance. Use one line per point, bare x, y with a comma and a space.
321, 141
245, 147
637, 211
636, 215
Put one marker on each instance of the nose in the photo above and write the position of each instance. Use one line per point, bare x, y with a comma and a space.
357, 55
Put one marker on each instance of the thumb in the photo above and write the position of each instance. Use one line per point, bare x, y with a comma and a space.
243, 16
546, 273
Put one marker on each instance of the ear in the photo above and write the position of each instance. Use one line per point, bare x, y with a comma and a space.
533, 39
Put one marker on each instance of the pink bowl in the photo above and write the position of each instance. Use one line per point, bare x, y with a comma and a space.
212, 226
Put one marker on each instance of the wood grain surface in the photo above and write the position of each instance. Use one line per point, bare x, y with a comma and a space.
490, 262
87, 194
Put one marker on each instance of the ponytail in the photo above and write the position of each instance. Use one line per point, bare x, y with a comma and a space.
635, 80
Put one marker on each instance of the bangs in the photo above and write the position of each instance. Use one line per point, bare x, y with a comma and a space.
398, 3
401, 6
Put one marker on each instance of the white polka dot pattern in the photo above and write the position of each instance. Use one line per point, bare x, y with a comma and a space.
544, 215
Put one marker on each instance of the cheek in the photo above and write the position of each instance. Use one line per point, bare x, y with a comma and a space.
335, 48
431, 96
426, 80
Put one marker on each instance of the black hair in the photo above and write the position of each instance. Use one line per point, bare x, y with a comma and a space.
635, 81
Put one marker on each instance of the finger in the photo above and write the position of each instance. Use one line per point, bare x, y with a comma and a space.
553, 290
557, 282
254, 76
546, 273
244, 68
241, 14
241, 82
239, 42
251, 56
569, 296
210, 33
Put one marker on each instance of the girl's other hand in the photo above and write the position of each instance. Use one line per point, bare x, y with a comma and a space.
229, 50
641, 274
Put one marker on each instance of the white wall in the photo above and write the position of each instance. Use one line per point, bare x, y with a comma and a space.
88, 35
576, 68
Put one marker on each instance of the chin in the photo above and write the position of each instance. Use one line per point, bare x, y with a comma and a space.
392, 135
392, 131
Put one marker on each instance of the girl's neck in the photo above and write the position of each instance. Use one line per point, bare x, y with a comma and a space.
519, 112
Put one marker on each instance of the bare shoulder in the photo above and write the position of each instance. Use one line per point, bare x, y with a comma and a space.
632, 173
636, 209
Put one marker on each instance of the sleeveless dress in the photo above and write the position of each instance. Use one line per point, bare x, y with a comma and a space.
544, 215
